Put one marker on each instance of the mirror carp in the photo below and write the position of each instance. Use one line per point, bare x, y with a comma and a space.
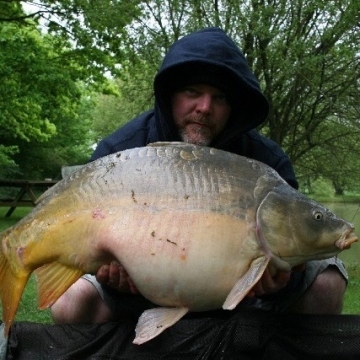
195, 228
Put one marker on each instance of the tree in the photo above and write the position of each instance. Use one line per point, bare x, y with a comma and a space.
40, 97
303, 53
71, 145
96, 29
132, 96
46, 55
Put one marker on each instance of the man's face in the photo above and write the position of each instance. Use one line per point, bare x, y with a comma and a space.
200, 113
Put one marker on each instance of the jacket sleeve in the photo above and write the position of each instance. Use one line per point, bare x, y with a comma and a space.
103, 148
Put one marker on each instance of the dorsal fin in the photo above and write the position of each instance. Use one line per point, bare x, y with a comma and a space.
167, 143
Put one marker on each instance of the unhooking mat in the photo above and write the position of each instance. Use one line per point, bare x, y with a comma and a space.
222, 335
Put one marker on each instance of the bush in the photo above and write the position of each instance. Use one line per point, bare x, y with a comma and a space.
322, 188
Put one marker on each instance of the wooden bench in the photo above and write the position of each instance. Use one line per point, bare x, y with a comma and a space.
25, 195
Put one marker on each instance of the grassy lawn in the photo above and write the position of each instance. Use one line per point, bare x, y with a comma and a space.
28, 307
352, 295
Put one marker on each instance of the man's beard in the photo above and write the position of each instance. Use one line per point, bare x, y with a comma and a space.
196, 134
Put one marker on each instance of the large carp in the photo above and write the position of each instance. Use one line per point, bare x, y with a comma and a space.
195, 228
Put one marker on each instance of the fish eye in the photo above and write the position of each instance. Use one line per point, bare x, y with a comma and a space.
318, 215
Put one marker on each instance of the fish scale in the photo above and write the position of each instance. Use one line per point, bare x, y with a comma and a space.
195, 228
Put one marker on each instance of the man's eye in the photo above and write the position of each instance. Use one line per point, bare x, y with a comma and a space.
221, 97
190, 90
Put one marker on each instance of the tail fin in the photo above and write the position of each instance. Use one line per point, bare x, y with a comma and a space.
12, 284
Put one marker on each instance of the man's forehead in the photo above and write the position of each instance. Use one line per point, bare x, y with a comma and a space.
204, 87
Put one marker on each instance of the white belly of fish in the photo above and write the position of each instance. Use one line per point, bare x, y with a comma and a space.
181, 259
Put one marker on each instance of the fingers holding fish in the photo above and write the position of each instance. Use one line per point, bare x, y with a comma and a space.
273, 281
102, 276
125, 284
116, 277
269, 284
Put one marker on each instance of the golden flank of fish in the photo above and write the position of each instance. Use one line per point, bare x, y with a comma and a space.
195, 227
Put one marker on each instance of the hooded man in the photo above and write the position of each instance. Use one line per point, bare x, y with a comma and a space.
206, 57
206, 94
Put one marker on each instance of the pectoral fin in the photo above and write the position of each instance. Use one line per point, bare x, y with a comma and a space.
53, 280
154, 321
244, 285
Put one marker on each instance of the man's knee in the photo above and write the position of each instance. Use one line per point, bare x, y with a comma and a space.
325, 295
81, 303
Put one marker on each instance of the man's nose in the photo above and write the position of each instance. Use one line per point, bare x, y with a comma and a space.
204, 103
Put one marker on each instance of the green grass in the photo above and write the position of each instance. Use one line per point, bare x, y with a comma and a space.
28, 307
352, 294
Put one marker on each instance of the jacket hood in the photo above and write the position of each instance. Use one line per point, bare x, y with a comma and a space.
210, 51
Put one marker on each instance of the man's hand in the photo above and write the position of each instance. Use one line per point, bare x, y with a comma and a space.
269, 284
115, 276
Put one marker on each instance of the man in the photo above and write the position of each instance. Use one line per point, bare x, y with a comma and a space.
205, 94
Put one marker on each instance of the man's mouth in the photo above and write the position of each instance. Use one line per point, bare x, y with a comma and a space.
198, 123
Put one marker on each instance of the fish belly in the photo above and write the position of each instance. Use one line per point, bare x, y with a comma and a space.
173, 256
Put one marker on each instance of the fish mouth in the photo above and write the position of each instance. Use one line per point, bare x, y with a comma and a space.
345, 241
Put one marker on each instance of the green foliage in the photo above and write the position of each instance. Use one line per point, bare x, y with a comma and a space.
8, 166
134, 95
303, 53
44, 111
21, 88
309, 68
97, 29
322, 188
71, 145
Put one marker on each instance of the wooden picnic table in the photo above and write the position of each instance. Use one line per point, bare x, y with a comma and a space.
25, 195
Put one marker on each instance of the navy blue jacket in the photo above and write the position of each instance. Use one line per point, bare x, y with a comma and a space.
206, 48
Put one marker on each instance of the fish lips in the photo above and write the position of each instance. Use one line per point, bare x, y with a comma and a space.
346, 240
